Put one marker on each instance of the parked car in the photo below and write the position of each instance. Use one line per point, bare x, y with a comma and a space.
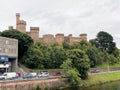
43, 74
29, 75
34, 74
58, 73
95, 71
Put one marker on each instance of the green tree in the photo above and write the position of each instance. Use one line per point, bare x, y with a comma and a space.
80, 61
58, 55
34, 58
24, 41
112, 59
105, 42
66, 46
54, 56
71, 72
92, 53
74, 78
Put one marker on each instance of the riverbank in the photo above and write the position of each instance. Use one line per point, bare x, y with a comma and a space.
97, 79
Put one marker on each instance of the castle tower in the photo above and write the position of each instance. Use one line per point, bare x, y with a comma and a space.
83, 36
17, 18
59, 38
34, 33
20, 24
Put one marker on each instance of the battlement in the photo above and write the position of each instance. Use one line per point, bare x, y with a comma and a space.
34, 29
59, 35
83, 36
48, 38
21, 22
18, 14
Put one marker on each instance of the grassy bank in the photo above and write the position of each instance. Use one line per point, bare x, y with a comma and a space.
101, 78
105, 65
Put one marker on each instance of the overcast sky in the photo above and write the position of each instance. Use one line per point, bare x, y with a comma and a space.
65, 16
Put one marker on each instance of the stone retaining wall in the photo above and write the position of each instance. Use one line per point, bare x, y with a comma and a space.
30, 84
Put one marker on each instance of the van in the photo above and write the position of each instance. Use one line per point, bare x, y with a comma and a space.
9, 75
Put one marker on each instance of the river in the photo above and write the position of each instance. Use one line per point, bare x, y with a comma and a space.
107, 86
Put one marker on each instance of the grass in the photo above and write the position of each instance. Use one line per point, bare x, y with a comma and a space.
105, 65
101, 78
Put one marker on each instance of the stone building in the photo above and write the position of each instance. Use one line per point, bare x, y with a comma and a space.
8, 54
48, 38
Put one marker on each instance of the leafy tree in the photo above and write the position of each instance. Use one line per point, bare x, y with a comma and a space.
112, 59
74, 78
92, 53
58, 55
34, 58
92, 42
66, 46
80, 61
82, 45
67, 64
70, 72
24, 41
47, 62
54, 56
105, 42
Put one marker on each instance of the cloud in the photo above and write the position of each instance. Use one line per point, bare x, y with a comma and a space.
64, 16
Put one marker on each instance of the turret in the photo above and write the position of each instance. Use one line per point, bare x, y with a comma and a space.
17, 18
83, 36
20, 24
59, 38
34, 33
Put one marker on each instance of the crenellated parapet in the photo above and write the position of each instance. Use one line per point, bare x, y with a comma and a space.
59, 38
34, 33
48, 38
83, 36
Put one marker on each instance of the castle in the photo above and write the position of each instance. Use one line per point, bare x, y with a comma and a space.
48, 38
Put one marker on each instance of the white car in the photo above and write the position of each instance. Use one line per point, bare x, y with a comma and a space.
43, 74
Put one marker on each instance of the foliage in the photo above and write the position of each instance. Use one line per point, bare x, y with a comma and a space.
66, 46
24, 41
74, 78
105, 42
112, 59
54, 57
71, 72
92, 53
67, 64
80, 61
34, 58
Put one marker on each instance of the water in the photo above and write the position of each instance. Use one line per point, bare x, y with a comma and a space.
108, 86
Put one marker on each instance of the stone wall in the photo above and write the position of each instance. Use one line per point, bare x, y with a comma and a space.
30, 84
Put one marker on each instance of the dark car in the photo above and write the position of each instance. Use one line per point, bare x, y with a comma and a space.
28, 76
95, 71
